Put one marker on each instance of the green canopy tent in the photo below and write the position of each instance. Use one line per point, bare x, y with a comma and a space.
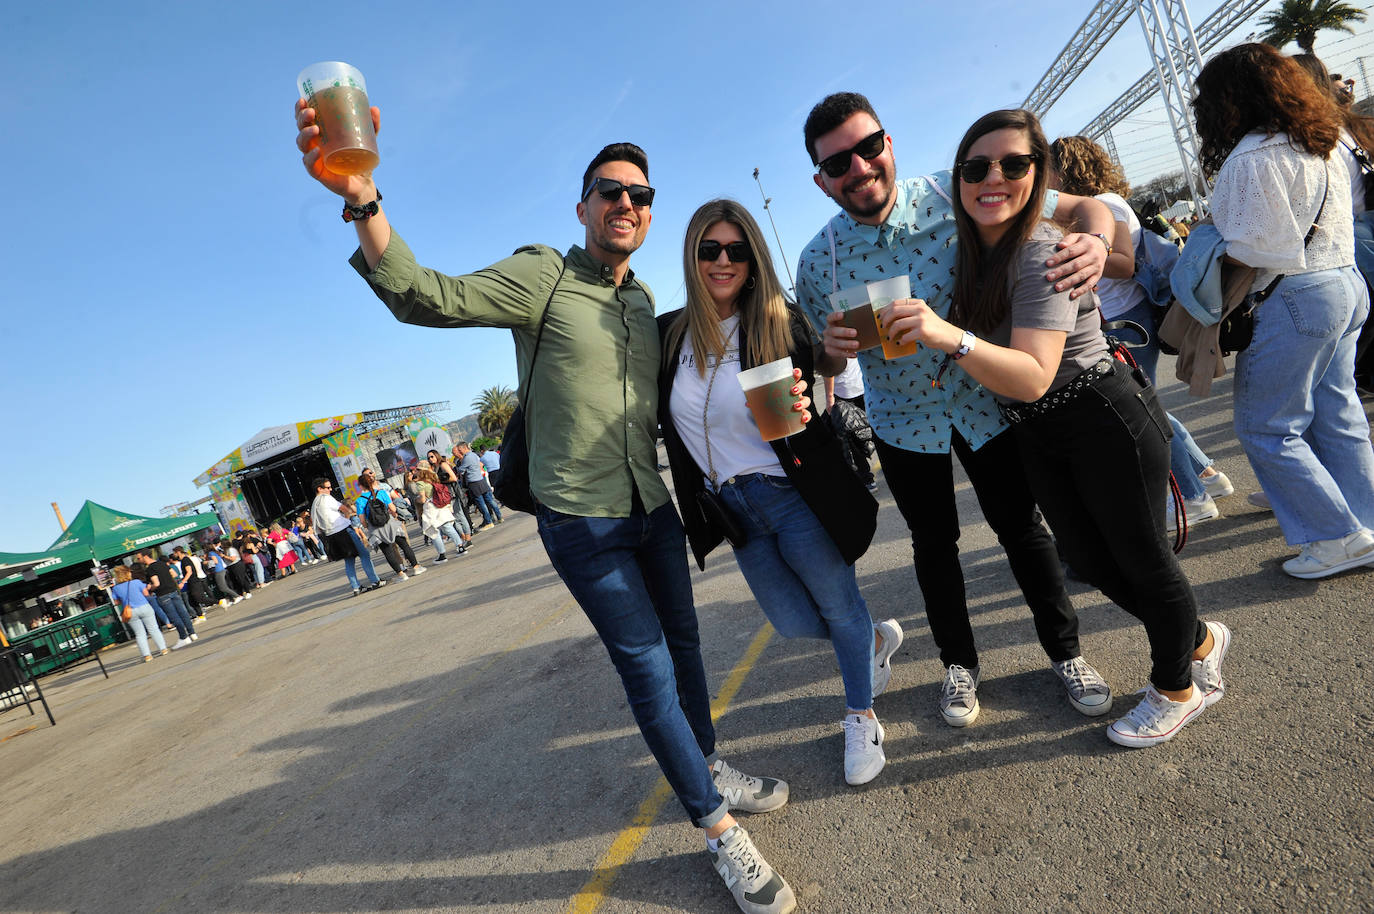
98, 533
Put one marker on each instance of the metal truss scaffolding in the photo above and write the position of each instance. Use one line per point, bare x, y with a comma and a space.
1173, 47
1105, 20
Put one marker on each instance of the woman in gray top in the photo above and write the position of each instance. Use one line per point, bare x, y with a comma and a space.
1083, 420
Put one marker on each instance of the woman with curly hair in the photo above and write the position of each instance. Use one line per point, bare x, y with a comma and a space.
1085, 169
1268, 134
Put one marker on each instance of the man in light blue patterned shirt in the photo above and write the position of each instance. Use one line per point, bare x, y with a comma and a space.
889, 227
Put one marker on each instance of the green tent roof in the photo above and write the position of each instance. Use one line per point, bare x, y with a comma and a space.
98, 533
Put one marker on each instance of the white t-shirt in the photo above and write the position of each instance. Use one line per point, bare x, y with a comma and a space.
1358, 203
736, 446
850, 382
1117, 296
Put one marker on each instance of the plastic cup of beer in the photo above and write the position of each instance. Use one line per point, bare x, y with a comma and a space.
338, 94
882, 294
856, 313
768, 392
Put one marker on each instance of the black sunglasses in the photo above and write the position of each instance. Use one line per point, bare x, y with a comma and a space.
868, 149
1013, 168
610, 191
736, 251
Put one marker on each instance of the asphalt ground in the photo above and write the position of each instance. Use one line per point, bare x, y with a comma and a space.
460, 742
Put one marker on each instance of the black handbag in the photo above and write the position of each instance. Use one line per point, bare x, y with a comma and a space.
511, 483
718, 516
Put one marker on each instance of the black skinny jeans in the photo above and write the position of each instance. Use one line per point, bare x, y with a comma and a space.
393, 558
1114, 437
923, 487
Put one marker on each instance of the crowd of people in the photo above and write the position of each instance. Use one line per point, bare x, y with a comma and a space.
1013, 374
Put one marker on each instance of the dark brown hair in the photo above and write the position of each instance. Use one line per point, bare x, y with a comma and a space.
981, 293
1361, 128
1253, 88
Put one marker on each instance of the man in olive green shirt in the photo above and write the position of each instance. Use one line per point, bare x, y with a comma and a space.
604, 515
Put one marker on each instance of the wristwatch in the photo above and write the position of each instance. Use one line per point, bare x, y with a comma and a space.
965, 346
359, 211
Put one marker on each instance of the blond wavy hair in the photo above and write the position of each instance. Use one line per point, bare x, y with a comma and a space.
1085, 168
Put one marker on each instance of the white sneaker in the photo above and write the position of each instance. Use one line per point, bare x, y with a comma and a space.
757, 887
1155, 720
181, 642
1088, 691
402, 576
248, 596
882, 660
1195, 510
1218, 485
746, 792
194, 637
1259, 500
1207, 671
418, 569
1324, 558
863, 748
959, 696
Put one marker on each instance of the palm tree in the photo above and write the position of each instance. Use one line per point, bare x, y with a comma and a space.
494, 408
1300, 20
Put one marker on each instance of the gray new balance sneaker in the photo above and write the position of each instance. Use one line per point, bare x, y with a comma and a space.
747, 793
757, 887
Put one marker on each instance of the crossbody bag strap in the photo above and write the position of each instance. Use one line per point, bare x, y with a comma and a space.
539, 337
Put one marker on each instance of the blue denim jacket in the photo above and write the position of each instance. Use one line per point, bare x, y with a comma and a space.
1154, 259
1196, 278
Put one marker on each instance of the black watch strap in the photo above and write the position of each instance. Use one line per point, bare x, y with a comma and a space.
359, 211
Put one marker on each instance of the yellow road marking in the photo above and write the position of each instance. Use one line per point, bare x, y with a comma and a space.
591, 895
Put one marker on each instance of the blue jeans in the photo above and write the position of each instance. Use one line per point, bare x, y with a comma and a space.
1297, 414
800, 579
486, 503
255, 562
629, 575
1186, 459
145, 626
175, 609
446, 529
364, 556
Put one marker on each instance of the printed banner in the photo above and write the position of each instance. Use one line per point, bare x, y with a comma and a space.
429, 435
232, 506
272, 441
345, 455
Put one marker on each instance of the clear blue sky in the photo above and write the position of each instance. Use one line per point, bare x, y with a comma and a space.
176, 282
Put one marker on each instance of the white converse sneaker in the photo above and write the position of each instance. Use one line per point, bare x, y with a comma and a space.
1207, 671
1155, 720
1324, 558
882, 660
1088, 691
863, 748
959, 696
747, 793
757, 887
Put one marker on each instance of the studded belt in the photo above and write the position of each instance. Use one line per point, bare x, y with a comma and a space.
1020, 412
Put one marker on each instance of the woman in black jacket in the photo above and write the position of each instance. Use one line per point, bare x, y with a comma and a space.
795, 512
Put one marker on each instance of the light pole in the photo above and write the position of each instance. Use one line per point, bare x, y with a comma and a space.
791, 284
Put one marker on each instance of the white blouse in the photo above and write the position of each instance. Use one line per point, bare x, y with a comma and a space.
1267, 193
